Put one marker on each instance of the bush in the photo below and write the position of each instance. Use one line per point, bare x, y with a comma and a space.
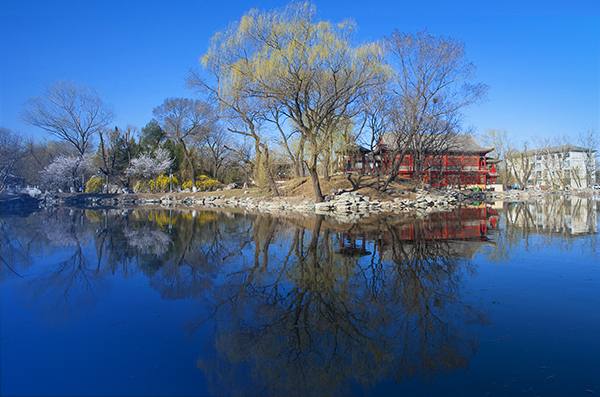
93, 185
161, 184
204, 183
234, 176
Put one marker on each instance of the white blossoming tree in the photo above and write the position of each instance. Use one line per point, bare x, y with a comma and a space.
66, 171
149, 167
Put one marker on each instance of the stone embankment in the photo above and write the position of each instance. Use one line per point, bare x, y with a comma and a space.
341, 205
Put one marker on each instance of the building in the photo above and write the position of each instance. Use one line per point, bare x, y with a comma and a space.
559, 167
464, 162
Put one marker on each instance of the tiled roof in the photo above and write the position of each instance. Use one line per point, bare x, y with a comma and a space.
458, 143
558, 149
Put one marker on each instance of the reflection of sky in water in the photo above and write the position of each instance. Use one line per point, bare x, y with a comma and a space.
104, 304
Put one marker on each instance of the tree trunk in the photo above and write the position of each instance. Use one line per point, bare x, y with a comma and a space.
314, 176
394, 170
188, 156
269, 174
326, 163
192, 170
272, 184
297, 168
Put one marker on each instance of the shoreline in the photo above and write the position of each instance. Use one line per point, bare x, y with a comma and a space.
346, 206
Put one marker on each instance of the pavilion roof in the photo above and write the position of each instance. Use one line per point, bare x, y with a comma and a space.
457, 143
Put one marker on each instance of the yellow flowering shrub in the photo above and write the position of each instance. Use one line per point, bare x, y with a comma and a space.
206, 183
93, 185
203, 183
160, 184
93, 215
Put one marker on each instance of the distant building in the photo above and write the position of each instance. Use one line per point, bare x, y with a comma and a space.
565, 166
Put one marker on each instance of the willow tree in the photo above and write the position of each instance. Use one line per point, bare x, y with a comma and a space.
306, 68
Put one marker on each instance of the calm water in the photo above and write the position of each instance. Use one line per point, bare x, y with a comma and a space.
488, 301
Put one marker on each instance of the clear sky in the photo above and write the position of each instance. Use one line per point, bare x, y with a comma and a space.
541, 58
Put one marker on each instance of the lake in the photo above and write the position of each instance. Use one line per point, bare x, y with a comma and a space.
499, 299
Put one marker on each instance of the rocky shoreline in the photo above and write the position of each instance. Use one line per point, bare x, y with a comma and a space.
345, 206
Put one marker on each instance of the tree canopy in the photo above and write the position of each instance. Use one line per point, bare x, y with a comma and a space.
71, 112
307, 69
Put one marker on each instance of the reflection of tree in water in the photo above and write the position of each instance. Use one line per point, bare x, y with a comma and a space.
14, 255
177, 251
66, 288
25, 237
147, 240
199, 244
314, 321
77, 251
426, 281
292, 308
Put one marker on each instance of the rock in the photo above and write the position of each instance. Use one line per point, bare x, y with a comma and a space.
324, 206
168, 199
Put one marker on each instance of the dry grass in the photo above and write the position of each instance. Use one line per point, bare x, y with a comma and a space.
366, 185
295, 190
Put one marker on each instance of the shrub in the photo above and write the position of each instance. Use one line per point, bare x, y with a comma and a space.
93, 185
161, 184
206, 183
203, 183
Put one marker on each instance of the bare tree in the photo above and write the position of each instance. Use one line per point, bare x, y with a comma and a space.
503, 147
243, 114
589, 139
521, 164
70, 112
429, 88
557, 168
187, 122
12, 151
216, 148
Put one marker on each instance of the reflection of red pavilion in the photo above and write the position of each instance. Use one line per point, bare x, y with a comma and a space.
468, 227
470, 223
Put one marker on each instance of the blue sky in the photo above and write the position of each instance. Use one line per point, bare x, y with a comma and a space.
541, 59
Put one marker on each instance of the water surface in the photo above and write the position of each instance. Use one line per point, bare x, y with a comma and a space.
484, 301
